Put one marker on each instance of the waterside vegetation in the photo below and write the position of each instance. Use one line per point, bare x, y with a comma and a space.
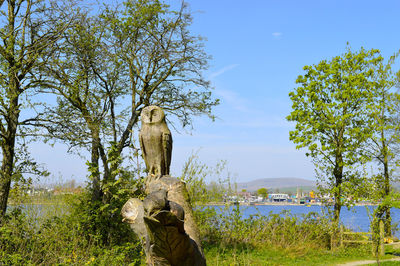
63, 232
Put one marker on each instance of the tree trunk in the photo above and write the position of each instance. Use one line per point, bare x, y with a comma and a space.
337, 208
6, 174
8, 149
386, 185
94, 166
388, 218
338, 174
388, 223
11, 116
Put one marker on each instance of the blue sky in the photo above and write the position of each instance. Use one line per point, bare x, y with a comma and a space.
259, 47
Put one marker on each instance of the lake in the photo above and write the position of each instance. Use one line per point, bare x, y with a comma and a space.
356, 218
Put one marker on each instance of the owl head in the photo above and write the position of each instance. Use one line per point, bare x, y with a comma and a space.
152, 114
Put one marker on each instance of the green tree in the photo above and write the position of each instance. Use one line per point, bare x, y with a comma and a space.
331, 108
114, 64
84, 77
262, 192
28, 28
385, 141
195, 173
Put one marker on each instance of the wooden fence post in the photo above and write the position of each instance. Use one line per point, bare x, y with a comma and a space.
341, 235
381, 238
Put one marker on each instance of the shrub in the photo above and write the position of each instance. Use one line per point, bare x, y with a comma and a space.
62, 235
283, 230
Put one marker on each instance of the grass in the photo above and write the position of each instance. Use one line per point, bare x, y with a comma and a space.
264, 255
278, 256
386, 263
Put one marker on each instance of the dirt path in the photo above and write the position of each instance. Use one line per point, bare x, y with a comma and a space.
366, 262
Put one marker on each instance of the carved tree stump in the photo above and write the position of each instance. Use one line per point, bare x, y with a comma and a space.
165, 224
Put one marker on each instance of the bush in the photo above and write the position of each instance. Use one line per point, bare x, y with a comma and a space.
100, 222
283, 230
63, 234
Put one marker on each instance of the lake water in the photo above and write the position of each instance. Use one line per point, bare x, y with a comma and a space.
356, 218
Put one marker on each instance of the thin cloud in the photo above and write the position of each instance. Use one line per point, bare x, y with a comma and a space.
267, 121
222, 71
277, 35
233, 99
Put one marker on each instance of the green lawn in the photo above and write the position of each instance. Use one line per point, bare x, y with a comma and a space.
270, 256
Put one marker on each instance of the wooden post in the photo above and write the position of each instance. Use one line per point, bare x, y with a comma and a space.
381, 238
334, 237
341, 235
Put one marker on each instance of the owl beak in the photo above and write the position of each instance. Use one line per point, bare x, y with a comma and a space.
151, 115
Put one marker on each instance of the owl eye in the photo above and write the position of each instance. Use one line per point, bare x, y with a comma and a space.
146, 116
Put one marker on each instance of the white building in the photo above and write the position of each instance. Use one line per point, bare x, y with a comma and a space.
278, 197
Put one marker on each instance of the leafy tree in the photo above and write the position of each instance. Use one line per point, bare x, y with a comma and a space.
262, 192
85, 79
384, 144
28, 28
195, 173
331, 108
112, 65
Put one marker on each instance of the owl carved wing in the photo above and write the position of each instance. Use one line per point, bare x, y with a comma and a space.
167, 147
143, 148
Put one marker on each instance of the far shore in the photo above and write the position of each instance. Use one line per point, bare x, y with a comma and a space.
278, 204
49, 202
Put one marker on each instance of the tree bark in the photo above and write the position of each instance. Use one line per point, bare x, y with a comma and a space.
388, 223
94, 167
8, 147
338, 174
388, 218
386, 185
7, 168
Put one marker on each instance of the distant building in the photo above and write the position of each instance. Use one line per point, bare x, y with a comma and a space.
244, 195
278, 197
230, 198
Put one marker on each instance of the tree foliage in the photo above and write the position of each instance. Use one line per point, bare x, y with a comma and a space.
384, 143
262, 192
111, 65
331, 108
27, 29
195, 173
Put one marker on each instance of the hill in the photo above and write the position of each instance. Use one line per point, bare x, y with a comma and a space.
273, 183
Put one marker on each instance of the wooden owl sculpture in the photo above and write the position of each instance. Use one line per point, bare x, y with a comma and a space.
155, 141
